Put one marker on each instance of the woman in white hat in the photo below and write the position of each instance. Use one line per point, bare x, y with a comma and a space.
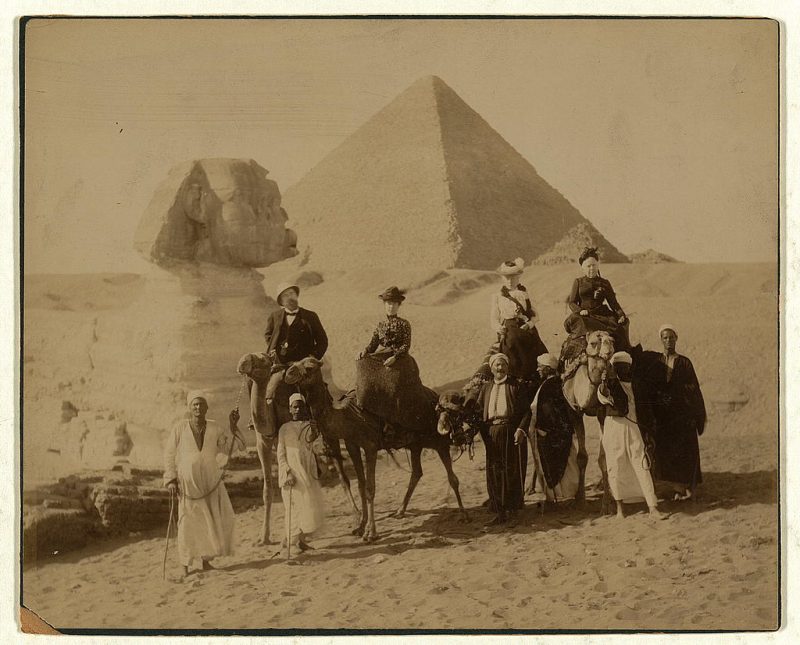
196, 450
298, 475
513, 318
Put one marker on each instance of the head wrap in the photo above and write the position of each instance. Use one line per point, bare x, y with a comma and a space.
621, 357
510, 267
296, 397
588, 252
665, 327
547, 360
196, 394
496, 357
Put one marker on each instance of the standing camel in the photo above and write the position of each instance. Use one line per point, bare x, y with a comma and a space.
361, 430
256, 367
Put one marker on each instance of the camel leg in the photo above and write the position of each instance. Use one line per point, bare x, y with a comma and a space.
606, 504
336, 454
370, 532
582, 458
264, 449
355, 456
416, 475
447, 460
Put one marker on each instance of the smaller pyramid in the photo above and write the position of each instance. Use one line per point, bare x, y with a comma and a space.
569, 247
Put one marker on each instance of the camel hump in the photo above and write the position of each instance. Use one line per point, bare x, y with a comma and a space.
395, 393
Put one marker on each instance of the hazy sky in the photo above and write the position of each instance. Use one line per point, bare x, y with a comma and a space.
662, 132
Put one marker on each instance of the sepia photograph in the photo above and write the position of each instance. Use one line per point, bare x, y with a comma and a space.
402, 325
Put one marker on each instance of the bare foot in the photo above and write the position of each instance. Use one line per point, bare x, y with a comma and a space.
655, 514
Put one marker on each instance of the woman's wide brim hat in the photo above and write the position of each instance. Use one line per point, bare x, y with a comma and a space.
392, 294
512, 267
283, 286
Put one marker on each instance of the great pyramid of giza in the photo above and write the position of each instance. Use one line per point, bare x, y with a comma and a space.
426, 182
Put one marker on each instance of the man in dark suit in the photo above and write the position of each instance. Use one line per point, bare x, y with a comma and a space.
292, 333
504, 404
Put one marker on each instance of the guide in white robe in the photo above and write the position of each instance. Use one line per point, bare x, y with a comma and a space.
295, 455
205, 514
628, 472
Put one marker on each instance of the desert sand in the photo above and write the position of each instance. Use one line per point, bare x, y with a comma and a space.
712, 565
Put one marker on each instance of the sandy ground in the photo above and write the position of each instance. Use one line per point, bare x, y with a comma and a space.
711, 565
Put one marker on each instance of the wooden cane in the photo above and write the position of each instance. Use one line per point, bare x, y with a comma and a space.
289, 528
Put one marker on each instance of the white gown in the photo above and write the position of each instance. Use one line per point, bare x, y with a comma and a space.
205, 525
628, 478
295, 454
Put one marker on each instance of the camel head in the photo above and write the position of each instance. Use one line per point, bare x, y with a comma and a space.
255, 366
303, 372
454, 419
599, 349
600, 344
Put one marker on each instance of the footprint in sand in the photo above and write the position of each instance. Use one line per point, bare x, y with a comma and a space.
627, 614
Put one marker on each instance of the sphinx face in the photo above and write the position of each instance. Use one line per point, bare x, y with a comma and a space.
223, 211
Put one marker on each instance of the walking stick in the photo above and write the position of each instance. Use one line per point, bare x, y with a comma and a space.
169, 530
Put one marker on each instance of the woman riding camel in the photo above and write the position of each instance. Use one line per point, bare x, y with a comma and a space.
594, 304
390, 344
392, 337
513, 318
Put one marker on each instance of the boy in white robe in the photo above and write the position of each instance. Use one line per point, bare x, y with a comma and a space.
195, 452
628, 475
298, 476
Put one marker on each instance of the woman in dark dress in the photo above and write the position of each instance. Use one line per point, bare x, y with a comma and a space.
594, 304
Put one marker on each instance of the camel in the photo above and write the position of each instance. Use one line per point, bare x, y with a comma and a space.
584, 372
256, 367
361, 430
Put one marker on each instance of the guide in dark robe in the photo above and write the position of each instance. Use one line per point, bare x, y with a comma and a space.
679, 414
504, 403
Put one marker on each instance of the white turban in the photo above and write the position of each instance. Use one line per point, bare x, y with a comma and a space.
196, 394
496, 357
665, 327
296, 397
621, 357
547, 360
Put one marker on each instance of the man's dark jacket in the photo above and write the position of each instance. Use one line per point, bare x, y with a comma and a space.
305, 337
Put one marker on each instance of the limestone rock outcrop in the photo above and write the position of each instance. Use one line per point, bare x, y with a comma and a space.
221, 211
651, 256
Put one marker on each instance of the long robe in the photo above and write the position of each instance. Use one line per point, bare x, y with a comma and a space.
679, 415
628, 468
205, 514
506, 463
296, 455
556, 453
